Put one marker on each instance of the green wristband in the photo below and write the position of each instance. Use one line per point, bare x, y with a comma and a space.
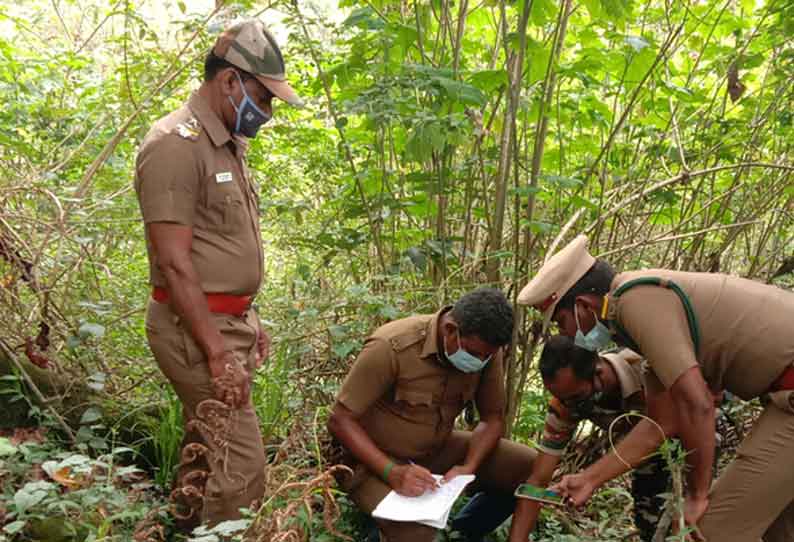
386, 470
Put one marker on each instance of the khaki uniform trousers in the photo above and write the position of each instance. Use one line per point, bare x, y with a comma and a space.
754, 498
222, 458
508, 465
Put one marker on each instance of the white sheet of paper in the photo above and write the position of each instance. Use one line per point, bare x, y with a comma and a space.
430, 509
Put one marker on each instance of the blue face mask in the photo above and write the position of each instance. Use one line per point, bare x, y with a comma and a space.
463, 361
596, 339
249, 116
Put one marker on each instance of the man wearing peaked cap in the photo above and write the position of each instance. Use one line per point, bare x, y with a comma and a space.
199, 204
701, 333
556, 277
604, 388
249, 46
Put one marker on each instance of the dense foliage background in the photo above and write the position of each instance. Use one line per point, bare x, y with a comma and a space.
445, 144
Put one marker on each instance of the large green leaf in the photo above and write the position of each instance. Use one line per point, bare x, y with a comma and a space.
31, 494
488, 81
638, 65
6, 448
364, 17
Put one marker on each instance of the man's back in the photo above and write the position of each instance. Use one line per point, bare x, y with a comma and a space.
744, 328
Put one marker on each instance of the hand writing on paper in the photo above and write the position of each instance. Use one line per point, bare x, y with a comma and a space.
411, 480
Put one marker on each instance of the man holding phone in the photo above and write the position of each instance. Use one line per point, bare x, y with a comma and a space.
598, 388
702, 334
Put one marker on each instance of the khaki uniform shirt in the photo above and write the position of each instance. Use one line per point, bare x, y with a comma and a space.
561, 421
746, 329
407, 395
190, 171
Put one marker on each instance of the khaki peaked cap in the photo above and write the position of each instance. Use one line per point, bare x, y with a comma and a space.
556, 277
249, 46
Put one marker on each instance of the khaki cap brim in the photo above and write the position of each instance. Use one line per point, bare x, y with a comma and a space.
281, 90
558, 275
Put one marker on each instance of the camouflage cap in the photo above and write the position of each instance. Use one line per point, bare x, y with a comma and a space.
556, 277
249, 46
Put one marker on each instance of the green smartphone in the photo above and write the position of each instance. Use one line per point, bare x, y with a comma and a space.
535, 493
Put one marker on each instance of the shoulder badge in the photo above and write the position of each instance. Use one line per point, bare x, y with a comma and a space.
609, 311
189, 129
403, 340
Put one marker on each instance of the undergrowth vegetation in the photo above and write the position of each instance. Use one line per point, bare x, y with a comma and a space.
445, 144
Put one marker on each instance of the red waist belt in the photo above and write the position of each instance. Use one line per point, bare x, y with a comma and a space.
785, 381
235, 305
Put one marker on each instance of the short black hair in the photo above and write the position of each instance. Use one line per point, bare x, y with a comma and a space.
597, 280
560, 352
213, 64
486, 313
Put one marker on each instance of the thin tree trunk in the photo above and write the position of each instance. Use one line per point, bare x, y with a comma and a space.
515, 70
517, 371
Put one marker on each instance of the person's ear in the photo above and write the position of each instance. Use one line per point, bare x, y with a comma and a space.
589, 301
228, 81
450, 327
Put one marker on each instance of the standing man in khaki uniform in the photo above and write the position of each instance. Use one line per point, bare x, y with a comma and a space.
701, 333
395, 412
199, 206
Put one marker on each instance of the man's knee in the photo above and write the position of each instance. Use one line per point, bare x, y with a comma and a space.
782, 529
507, 466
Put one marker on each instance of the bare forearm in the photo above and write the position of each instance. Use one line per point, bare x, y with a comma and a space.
695, 417
524, 519
189, 302
353, 437
526, 513
697, 436
483, 440
642, 441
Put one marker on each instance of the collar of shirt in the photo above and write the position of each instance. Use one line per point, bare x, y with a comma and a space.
431, 347
213, 125
628, 379
241, 144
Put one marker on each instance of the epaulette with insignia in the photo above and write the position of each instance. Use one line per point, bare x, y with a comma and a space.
407, 338
189, 129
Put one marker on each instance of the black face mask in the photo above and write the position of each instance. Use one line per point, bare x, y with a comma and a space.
585, 407
249, 116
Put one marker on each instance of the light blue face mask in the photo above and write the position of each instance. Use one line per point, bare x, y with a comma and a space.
249, 116
596, 339
463, 361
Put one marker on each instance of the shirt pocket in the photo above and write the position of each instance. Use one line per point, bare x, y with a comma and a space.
226, 204
417, 405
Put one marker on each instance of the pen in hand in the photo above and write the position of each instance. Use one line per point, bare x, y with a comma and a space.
435, 482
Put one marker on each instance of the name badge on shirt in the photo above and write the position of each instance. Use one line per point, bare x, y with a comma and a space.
223, 177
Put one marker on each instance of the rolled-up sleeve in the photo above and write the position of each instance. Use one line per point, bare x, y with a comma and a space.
558, 430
